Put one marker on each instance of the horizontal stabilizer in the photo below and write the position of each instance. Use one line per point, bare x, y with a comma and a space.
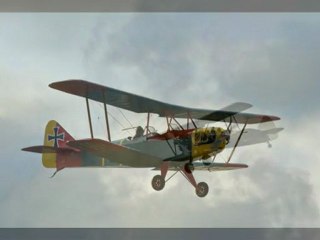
47, 149
273, 131
253, 136
116, 153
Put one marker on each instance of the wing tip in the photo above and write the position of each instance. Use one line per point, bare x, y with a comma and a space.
248, 105
238, 165
60, 84
272, 118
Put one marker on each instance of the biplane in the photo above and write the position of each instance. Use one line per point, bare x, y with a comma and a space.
181, 148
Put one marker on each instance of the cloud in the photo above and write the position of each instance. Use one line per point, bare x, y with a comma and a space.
264, 195
152, 50
275, 69
280, 72
195, 60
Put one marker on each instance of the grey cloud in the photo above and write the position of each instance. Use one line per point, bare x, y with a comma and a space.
283, 74
284, 192
189, 53
109, 198
154, 47
174, 57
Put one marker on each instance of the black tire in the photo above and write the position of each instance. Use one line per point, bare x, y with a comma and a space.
202, 189
158, 183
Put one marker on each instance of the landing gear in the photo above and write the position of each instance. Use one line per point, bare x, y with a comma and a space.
202, 189
188, 167
158, 182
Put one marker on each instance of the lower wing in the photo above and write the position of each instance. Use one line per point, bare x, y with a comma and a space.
202, 166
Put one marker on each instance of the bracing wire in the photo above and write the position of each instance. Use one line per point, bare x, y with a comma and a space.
115, 119
95, 113
125, 117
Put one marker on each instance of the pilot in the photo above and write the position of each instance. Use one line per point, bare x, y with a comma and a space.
139, 132
212, 137
204, 138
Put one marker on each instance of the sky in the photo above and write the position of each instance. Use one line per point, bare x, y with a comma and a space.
199, 60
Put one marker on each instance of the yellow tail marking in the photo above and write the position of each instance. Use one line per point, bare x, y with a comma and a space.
49, 159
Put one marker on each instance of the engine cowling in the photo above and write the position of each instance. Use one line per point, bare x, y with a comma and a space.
207, 142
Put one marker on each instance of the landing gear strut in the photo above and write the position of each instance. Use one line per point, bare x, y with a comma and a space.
158, 182
188, 167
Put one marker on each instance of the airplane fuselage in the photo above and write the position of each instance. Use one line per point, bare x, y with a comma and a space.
201, 143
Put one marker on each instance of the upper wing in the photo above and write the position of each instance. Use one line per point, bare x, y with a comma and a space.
141, 104
116, 153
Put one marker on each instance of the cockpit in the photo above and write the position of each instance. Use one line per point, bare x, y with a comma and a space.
139, 132
143, 132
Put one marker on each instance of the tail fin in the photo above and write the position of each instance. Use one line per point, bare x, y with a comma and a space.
55, 137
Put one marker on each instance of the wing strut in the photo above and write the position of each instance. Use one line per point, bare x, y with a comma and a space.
189, 117
148, 120
234, 148
89, 117
106, 116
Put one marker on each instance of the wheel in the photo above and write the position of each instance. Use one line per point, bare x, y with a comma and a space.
158, 182
188, 167
202, 189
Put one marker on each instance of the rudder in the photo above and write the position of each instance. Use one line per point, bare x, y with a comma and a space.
55, 136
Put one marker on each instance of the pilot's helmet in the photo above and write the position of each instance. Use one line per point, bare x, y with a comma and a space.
139, 131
